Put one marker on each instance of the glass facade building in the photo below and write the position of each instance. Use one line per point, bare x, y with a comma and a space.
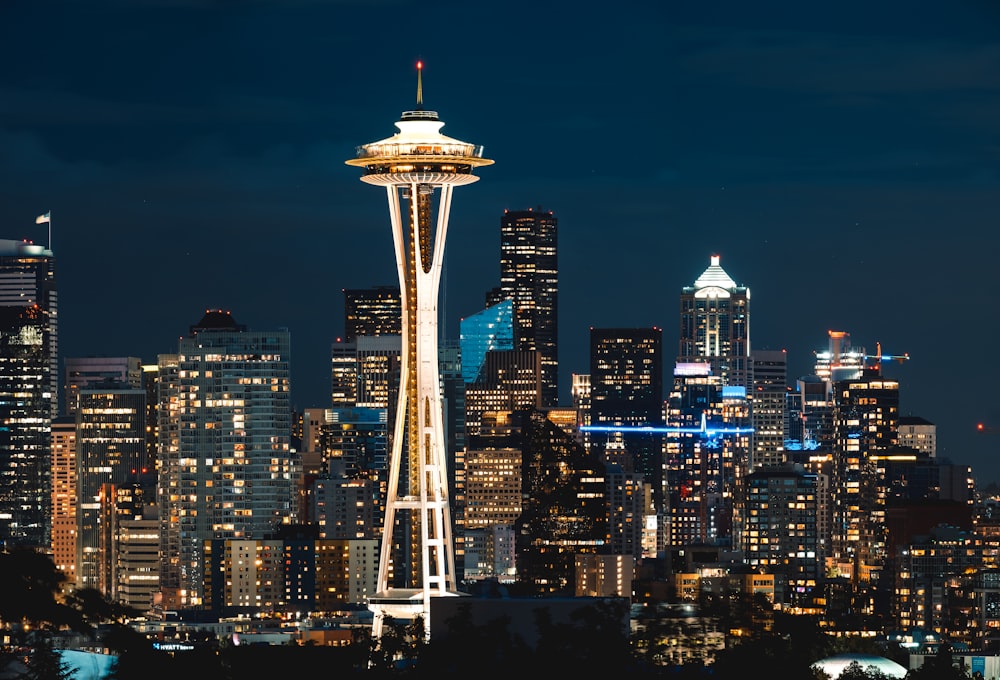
29, 385
529, 276
489, 329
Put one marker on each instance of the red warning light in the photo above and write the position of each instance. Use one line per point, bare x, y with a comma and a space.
420, 65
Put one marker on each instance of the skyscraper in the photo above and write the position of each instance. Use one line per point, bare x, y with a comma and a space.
372, 311
110, 452
413, 165
707, 455
81, 372
29, 387
486, 330
715, 325
866, 423
224, 451
626, 395
529, 276
769, 404
507, 381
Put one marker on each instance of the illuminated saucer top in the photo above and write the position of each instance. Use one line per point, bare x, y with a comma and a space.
419, 153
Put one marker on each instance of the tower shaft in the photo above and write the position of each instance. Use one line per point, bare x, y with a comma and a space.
422, 503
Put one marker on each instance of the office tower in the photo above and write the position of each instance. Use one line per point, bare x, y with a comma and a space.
565, 417
151, 383
508, 381
81, 372
580, 393
781, 535
487, 330
29, 385
453, 400
226, 467
491, 329
564, 511
918, 433
64, 497
493, 486
353, 446
493, 497
372, 311
626, 395
366, 372
529, 277
769, 404
414, 165
707, 449
353, 442
715, 325
110, 452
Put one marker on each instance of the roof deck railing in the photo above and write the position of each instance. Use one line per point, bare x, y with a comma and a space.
395, 150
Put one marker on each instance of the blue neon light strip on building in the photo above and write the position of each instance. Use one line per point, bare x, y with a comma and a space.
666, 430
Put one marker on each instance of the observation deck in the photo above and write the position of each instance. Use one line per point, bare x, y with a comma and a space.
420, 154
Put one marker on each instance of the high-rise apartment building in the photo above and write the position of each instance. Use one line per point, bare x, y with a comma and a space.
626, 400
226, 467
529, 276
780, 536
29, 388
715, 325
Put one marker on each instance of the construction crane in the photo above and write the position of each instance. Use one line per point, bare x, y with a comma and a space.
878, 357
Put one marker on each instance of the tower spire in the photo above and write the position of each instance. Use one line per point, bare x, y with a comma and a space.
420, 87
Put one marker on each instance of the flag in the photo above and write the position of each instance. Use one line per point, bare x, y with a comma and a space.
42, 219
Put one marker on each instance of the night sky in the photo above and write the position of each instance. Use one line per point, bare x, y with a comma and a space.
843, 162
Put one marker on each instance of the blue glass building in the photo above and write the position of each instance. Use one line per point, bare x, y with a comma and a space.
490, 329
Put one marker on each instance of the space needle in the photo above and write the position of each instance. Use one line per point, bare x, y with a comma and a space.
414, 165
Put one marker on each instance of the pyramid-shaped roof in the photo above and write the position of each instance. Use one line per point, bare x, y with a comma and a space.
715, 276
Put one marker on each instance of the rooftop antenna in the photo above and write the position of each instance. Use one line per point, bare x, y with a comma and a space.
420, 87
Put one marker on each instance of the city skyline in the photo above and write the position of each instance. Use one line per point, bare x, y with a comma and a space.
842, 164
